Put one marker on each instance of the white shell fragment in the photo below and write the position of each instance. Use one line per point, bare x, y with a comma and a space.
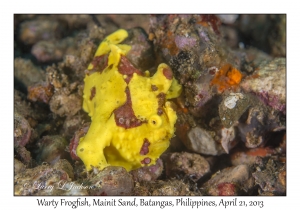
227, 137
230, 101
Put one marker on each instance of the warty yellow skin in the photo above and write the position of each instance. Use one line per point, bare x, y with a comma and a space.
106, 142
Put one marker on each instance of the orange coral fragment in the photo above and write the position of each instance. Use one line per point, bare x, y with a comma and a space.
261, 152
226, 77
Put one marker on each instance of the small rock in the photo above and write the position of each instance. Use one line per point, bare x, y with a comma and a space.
32, 31
269, 83
111, 181
26, 72
206, 142
40, 92
71, 125
200, 141
236, 180
148, 173
65, 105
47, 51
190, 165
232, 108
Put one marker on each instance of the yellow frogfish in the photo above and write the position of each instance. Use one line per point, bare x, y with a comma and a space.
131, 120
